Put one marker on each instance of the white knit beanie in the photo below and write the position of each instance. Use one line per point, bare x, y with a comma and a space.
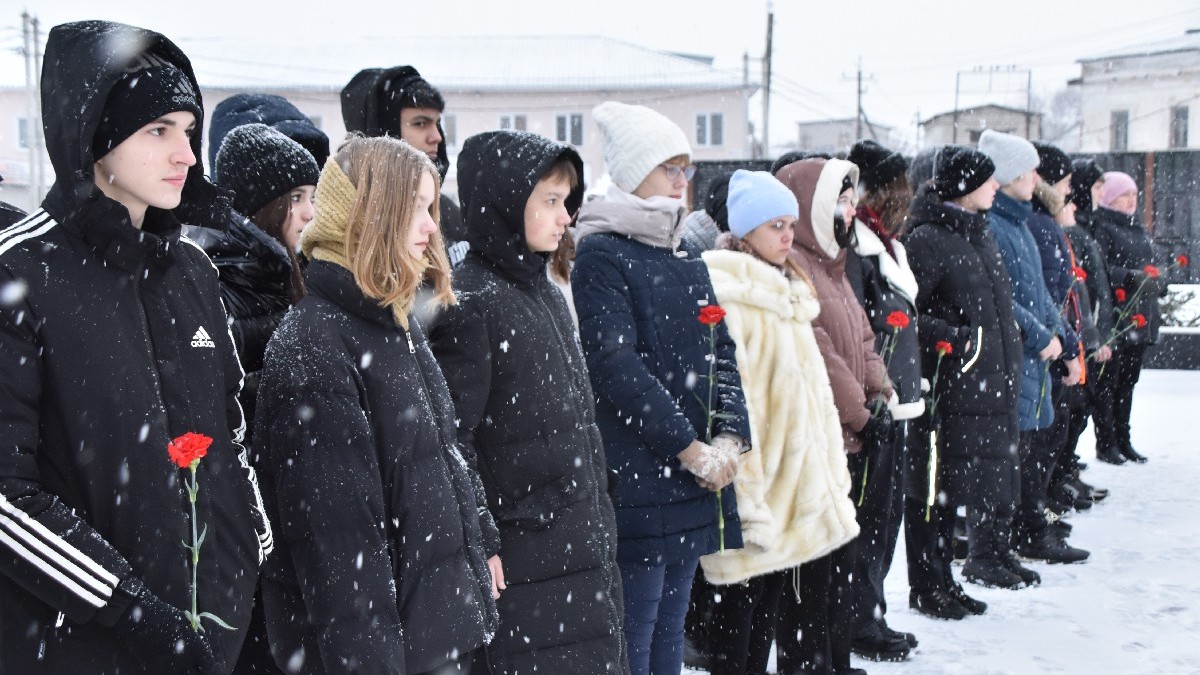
1012, 155
636, 139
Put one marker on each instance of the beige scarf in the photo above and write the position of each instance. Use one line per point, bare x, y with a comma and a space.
325, 237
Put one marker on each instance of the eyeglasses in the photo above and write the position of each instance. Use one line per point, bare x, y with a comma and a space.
673, 171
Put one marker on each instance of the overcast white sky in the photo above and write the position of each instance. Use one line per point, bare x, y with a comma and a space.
910, 51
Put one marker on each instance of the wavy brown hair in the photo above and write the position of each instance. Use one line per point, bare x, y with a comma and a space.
892, 203
386, 173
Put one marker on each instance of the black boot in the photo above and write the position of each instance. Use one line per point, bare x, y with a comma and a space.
1110, 456
936, 603
879, 647
1090, 491
1045, 545
909, 638
976, 607
1133, 455
1027, 576
991, 573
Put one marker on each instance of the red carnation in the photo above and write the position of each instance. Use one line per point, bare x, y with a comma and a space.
1119, 294
711, 315
898, 320
1181, 260
1080, 274
1139, 320
188, 448
1151, 271
944, 348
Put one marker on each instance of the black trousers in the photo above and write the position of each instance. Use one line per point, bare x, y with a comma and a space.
1039, 451
256, 658
880, 510
743, 624
812, 635
1113, 402
929, 545
1077, 409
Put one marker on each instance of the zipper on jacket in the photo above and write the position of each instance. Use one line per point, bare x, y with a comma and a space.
58, 623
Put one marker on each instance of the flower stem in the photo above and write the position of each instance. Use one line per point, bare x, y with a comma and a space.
708, 427
193, 492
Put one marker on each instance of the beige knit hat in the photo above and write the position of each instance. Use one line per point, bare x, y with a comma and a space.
325, 237
636, 139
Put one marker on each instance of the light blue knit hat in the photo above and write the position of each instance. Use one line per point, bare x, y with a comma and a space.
756, 197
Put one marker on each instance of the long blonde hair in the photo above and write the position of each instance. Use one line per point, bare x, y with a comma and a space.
386, 174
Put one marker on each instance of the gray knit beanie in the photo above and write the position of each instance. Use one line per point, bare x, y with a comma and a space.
1012, 155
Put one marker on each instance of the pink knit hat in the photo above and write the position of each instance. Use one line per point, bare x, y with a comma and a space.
1115, 185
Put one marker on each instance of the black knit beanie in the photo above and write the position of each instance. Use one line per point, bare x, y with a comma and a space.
259, 164
1084, 174
960, 170
1055, 164
407, 90
877, 166
150, 88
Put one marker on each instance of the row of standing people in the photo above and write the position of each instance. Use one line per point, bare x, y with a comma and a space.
414, 483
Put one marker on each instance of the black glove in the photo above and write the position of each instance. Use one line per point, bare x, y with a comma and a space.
160, 636
878, 430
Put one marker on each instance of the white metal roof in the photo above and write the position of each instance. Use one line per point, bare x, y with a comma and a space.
1188, 42
551, 63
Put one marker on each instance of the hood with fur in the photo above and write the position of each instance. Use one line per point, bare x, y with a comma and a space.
817, 183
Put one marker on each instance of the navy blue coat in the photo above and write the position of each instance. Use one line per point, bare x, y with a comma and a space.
647, 353
1036, 313
1056, 270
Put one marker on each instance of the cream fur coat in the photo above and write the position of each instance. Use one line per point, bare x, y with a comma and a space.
793, 487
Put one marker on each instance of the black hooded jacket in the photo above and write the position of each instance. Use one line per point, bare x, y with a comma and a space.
526, 413
112, 343
1127, 250
964, 296
271, 110
363, 110
381, 566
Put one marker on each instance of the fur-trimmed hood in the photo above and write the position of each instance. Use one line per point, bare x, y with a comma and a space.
817, 184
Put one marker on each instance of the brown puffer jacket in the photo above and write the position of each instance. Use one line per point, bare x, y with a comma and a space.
843, 331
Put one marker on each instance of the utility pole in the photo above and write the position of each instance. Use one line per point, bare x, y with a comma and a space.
30, 49
858, 120
1029, 105
766, 127
954, 124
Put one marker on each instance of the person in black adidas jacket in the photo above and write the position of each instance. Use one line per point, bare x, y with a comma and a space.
381, 566
526, 411
112, 343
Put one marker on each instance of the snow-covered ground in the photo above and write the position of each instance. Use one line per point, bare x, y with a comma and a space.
1133, 608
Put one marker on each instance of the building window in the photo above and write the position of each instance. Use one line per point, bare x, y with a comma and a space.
710, 129
23, 138
1179, 127
569, 128
515, 122
1120, 131
450, 130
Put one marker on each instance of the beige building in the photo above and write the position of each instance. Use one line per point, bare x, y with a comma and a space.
940, 129
1142, 98
547, 85
838, 135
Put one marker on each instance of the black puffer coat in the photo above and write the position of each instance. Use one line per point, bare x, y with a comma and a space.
1097, 301
381, 566
966, 296
256, 287
1127, 250
524, 402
